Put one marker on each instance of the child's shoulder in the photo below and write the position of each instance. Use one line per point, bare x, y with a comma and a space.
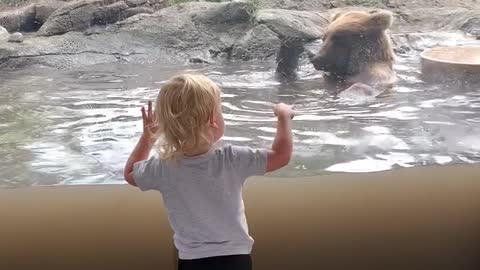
224, 151
230, 149
233, 152
245, 160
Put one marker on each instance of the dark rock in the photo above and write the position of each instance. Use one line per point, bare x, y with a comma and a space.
472, 26
294, 24
230, 14
258, 43
22, 19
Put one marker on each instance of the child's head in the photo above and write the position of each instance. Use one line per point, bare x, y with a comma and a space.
188, 113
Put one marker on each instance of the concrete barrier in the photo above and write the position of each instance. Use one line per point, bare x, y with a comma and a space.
417, 218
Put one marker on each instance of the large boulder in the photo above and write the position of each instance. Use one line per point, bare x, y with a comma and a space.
294, 24
258, 43
82, 14
209, 29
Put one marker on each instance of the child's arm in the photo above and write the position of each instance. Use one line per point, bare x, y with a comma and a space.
140, 153
144, 145
282, 147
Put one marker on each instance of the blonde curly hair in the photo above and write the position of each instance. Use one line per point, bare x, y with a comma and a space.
183, 109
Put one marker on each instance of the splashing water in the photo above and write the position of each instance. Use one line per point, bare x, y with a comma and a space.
78, 127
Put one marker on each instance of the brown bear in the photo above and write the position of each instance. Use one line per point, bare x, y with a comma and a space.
357, 53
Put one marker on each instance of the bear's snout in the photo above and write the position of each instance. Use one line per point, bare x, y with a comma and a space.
318, 61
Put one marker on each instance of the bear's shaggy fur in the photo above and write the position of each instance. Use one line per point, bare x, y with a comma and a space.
357, 52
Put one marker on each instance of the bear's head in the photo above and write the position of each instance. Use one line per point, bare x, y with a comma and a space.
353, 41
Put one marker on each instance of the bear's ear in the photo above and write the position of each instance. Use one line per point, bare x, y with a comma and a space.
381, 19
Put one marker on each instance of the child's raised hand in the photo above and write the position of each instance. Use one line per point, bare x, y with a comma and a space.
149, 127
283, 110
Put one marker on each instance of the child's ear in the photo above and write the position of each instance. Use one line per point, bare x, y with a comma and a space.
211, 121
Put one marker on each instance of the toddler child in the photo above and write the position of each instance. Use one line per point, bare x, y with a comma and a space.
201, 185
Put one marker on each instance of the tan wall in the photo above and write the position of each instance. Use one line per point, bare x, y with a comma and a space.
425, 218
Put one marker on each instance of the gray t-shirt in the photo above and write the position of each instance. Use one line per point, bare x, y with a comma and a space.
203, 198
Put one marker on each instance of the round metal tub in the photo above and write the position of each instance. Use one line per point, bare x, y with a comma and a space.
455, 64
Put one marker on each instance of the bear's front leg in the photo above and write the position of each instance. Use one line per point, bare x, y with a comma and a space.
360, 91
288, 57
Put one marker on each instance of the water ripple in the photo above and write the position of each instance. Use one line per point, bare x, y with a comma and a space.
78, 127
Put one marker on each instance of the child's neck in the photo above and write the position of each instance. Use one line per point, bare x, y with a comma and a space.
198, 151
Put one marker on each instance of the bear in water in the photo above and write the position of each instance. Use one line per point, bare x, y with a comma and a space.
357, 54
